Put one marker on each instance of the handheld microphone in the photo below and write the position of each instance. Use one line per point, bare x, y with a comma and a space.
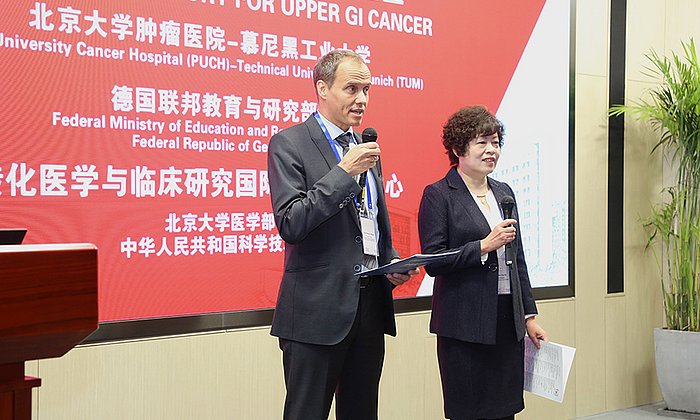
507, 204
369, 134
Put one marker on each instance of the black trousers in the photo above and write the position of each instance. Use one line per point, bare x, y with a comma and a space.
350, 369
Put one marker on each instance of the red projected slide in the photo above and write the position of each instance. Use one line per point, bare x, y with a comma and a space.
142, 127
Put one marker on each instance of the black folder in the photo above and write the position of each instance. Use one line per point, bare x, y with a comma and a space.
407, 264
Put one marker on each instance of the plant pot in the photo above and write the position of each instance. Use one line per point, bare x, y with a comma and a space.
678, 368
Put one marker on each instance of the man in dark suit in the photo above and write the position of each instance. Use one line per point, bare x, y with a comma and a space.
331, 322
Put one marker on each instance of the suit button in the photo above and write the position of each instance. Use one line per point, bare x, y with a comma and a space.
358, 239
341, 205
493, 267
352, 195
357, 268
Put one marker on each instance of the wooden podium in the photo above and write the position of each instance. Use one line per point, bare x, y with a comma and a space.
48, 304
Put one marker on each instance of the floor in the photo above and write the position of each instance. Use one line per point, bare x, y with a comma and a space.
644, 412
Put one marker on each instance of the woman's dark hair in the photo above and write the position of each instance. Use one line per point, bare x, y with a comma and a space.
464, 126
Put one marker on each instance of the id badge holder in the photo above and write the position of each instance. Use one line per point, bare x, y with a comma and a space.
369, 238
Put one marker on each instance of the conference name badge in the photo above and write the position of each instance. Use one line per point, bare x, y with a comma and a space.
369, 239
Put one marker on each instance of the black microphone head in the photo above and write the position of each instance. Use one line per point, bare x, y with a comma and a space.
507, 203
369, 134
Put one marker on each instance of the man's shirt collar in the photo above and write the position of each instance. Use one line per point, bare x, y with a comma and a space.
333, 130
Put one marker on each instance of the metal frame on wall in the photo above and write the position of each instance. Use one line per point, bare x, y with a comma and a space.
616, 147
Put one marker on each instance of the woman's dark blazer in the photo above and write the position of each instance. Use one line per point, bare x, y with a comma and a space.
465, 293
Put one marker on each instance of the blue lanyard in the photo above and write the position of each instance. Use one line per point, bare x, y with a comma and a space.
367, 190
328, 135
332, 143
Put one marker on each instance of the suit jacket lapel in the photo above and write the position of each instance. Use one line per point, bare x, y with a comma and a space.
464, 197
498, 191
382, 220
381, 202
321, 141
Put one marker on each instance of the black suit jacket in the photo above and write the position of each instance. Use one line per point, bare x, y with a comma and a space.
465, 292
312, 200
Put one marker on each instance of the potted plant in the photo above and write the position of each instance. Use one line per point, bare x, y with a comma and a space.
674, 111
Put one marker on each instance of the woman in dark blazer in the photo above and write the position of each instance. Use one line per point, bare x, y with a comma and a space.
482, 306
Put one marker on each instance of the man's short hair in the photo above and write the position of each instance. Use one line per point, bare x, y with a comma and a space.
327, 65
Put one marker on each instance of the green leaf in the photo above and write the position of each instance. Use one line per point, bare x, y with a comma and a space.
673, 110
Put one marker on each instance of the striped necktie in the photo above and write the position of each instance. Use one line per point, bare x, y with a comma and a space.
344, 141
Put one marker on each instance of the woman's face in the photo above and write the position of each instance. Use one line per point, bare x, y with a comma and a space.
481, 156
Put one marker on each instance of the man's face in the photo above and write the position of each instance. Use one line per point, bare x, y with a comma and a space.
345, 101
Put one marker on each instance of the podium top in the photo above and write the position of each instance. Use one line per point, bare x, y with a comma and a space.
46, 247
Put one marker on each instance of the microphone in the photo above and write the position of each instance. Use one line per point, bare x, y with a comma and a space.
369, 134
507, 204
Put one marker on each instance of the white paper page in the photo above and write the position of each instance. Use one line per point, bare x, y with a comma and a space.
547, 369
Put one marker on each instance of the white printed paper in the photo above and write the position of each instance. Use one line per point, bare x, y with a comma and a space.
547, 369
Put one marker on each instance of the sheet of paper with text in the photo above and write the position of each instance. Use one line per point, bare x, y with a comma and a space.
547, 369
